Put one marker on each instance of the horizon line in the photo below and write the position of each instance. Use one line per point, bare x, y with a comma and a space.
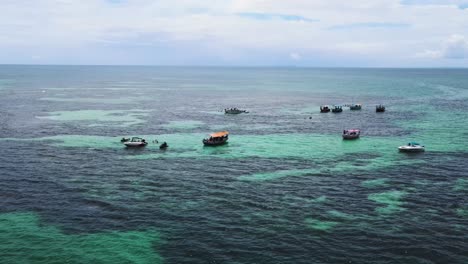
237, 66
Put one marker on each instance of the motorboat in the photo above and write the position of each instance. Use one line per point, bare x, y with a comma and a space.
234, 111
324, 109
412, 147
337, 109
136, 142
379, 108
216, 139
355, 107
351, 133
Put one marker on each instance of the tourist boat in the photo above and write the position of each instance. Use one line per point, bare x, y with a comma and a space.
337, 109
234, 111
380, 108
355, 107
135, 142
216, 139
412, 147
351, 133
324, 109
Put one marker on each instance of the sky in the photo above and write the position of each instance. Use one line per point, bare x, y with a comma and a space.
303, 33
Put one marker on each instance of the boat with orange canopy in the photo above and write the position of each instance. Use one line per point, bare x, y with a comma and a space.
216, 139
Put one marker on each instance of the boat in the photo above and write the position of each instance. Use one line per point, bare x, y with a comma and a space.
355, 107
379, 108
234, 111
136, 142
324, 109
412, 147
337, 109
216, 139
163, 146
351, 133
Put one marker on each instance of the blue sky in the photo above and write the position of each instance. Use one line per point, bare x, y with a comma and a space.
333, 33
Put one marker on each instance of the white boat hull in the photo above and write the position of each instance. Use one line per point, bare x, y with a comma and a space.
135, 144
411, 149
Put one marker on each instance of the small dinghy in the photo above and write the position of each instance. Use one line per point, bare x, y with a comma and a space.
379, 108
351, 133
412, 147
135, 142
216, 139
324, 109
234, 111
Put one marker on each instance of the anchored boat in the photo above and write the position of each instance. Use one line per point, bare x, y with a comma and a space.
355, 107
234, 111
337, 109
135, 142
351, 133
379, 108
324, 109
412, 147
216, 139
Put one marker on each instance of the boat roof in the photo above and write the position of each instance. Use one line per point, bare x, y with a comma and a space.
414, 143
353, 130
219, 134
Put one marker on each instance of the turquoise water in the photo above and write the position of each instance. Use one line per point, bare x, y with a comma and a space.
285, 189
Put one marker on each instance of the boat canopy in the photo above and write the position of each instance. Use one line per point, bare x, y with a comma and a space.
219, 134
414, 143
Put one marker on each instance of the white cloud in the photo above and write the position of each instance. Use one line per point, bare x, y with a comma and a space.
295, 56
455, 47
430, 54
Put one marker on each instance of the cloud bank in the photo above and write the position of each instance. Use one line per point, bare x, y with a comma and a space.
235, 32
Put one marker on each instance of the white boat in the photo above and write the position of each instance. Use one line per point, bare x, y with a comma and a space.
135, 142
412, 147
351, 133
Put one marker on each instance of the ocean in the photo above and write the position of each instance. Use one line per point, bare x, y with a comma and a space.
285, 189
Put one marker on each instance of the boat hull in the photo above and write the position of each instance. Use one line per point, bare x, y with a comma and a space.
214, 143
348, 137
411, 149
235, 112
135, 144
